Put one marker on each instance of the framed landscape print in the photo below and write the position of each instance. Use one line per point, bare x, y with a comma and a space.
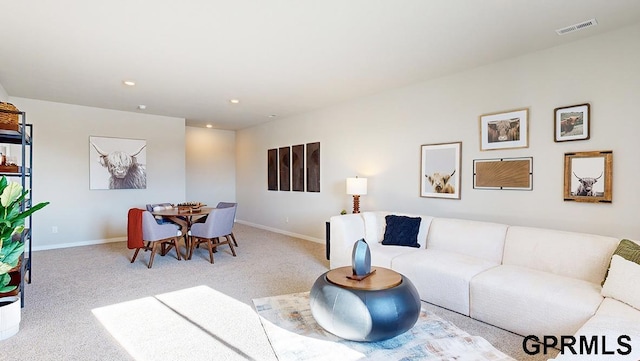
572, 123
504, 130
440, 170
588, 176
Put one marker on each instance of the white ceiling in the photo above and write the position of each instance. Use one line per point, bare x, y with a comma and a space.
280, 57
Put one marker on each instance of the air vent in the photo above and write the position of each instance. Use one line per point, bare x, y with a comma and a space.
576, 27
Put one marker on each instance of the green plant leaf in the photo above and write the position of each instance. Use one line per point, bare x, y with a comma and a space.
4, 281
11, 252
10, 194
4, 268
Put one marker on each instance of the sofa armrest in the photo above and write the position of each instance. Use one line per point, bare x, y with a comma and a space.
345, 231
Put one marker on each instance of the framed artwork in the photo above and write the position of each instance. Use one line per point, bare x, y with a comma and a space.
440, 170
284, 154
588, 176
117, 163
313, 167
503, 173
297, 167
504, 130
272, 169
572, 123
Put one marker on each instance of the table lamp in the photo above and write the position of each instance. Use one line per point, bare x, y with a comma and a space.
356, 187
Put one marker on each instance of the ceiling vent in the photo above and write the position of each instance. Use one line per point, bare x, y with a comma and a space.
576, 27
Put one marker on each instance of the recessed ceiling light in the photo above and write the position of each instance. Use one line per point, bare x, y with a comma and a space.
142, 107
272, 115
234, 101
129, 82
209, 126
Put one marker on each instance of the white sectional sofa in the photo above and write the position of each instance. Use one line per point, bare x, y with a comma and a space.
530, 281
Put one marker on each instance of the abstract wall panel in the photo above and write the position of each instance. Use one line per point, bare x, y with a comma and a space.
297, 167
284, 154
313, 167
272, 169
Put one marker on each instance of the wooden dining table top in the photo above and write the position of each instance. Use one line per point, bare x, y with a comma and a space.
174, 212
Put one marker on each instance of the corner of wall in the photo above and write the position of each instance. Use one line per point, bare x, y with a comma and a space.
3, 94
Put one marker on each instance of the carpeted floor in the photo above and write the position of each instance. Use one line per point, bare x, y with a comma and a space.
60, 320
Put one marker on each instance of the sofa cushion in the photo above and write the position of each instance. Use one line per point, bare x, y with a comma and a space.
472, 238
383, 256
401, 231
441, 277
532, 302
612, 320
576, 255
622, 281
345, 231
628, 250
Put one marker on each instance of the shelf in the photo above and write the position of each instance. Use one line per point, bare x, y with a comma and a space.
20, 134
12, 133
27, 173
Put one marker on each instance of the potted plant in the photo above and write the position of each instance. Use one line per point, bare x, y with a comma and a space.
11, 248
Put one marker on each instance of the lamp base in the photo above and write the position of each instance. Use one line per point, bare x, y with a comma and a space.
356, 204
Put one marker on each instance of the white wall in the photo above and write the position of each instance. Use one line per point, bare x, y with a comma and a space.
380, 136
3, 94
61, 170
211, 165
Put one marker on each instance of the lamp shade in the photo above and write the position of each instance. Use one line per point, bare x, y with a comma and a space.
357, 186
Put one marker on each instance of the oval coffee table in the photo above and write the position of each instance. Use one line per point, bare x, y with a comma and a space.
376, 308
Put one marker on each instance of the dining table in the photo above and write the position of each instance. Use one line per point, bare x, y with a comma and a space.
183, 218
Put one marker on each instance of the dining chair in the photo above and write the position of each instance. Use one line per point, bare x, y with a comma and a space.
227, 205
218, 224
156, 235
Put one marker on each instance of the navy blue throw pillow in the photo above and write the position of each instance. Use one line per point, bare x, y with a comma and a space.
401, 231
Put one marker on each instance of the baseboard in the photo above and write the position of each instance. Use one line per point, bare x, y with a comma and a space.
124, 239
286, 233
77, 244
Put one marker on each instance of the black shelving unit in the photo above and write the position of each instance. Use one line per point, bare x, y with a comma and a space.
21, 134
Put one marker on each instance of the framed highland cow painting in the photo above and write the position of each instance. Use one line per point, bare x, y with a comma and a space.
117, 163
504, 130
440, 170
588, 176
572, 123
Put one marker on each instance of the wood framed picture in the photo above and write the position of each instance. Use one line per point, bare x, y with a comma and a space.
504, 130
503, 173
588, 176
572, 123
440, 170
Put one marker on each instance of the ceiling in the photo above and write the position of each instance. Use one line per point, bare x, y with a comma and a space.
278, 57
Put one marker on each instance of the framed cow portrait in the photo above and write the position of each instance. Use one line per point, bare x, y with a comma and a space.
588, 176
572, 123
504, 130
117, 163
440, 170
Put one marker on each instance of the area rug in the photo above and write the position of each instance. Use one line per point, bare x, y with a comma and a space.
295, 335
